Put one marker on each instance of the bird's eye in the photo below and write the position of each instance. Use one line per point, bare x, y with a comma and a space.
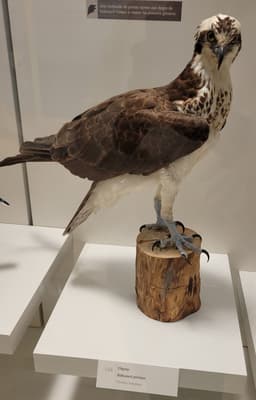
211, 37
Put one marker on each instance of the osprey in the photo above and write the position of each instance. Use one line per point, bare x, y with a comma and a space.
144, 135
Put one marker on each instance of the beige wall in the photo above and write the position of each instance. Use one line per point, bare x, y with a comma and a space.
65, 63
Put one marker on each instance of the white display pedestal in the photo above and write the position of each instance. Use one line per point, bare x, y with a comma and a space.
18, 381
96, 318
27, 256
248, 305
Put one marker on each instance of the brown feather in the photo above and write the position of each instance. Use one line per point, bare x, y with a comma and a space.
122, 134
77, 219
137, 132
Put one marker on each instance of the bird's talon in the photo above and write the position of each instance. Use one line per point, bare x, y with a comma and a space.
157, 244
206, 253
196, 235
142, 227
185, 256
178, 223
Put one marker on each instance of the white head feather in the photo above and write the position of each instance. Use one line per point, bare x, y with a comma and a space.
226, 33
212, 23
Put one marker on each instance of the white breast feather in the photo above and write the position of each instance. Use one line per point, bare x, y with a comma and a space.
109, 191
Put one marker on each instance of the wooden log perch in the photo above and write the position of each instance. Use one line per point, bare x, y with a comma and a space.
167, 285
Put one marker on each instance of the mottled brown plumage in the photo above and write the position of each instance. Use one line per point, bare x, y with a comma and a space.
137, 132
148, 130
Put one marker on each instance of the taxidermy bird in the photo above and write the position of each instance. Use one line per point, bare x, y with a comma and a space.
149, 135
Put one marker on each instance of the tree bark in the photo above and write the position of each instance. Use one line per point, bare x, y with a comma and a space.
167, 285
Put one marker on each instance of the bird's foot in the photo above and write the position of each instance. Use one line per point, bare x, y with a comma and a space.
180, 241
160, 225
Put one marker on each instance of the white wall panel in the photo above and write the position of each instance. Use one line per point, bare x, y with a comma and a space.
11, 179
65, 63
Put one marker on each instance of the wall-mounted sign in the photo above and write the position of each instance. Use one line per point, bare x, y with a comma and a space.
153, 10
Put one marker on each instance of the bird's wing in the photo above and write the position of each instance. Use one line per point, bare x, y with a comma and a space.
112, 143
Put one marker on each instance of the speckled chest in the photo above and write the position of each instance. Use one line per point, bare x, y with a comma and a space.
211, 102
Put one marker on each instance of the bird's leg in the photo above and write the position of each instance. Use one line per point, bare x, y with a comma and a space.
159, 221
175, 238
157, 205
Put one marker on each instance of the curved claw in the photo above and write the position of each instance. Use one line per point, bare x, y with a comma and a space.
196, 235
184, 255
142, 227
4, 201
180, 224
206, 253
156, 244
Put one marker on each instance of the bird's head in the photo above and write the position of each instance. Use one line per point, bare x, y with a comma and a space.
218, 41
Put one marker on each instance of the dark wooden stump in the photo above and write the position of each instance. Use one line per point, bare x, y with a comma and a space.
167, 285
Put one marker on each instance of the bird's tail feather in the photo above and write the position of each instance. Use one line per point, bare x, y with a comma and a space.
22, 158
39, 150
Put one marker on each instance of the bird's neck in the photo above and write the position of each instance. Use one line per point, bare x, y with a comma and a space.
198, 74
207, 70
203, 91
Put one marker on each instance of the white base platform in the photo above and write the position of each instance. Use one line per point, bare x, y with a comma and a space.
96, 318
248, 304
18, 381
26, 260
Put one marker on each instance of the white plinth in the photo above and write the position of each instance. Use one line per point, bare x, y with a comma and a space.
96, 318
248, 303
26, 260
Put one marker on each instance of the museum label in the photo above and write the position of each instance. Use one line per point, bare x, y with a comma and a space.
153, 10
137, 378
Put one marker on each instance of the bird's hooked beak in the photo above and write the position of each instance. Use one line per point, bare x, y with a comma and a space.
220, 52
